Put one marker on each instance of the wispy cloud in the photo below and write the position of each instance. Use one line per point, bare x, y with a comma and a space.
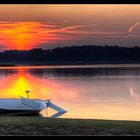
132, 27
26, 35
23, 35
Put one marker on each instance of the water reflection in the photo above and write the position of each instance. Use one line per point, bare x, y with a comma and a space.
16, 84
86, 92
83, 72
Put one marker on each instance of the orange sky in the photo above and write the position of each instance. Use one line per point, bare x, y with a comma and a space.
24, 26
23, 35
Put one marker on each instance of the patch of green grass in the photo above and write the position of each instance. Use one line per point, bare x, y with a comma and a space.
32, 125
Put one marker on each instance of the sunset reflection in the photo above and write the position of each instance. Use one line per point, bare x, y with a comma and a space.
40, 88
100, 97
17, 85
133, 93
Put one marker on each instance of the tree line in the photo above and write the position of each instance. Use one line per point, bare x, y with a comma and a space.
74, 54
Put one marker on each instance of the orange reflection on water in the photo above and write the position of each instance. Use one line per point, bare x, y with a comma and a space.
16, 85
133, 94
40, 88
82, 98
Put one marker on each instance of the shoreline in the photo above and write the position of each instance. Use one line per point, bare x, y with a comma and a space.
66, 63
106, 66
34, 125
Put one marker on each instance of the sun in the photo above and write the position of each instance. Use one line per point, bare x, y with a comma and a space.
23, 35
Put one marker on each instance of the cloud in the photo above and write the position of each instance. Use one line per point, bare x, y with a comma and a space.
76, 27
132, 27
26, 35
130, 30
23, 35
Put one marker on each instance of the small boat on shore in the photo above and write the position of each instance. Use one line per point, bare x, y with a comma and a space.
27, 107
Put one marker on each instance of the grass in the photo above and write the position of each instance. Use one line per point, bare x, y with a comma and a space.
33, 125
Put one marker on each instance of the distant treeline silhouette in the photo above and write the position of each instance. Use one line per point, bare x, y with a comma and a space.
86, 54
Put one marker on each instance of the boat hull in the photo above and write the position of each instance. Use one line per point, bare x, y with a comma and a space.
6, 112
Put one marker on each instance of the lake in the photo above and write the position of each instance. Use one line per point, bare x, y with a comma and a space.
85, 91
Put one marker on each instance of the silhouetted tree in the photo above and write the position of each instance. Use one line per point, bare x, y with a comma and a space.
73, 54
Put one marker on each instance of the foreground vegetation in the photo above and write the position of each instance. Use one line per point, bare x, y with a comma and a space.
17, 125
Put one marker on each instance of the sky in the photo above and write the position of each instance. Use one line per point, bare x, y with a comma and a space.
27, 26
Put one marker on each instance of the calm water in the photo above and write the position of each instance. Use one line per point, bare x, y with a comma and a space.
96, 91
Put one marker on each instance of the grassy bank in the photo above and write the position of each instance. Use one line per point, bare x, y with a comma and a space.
43, 126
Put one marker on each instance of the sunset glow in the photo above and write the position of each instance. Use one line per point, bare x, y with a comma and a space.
83, 97
46, 26
16, 85
19, 83
84, 58
133, 94
23, 35
27, 35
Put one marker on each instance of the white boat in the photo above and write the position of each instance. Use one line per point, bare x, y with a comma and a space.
26, 106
